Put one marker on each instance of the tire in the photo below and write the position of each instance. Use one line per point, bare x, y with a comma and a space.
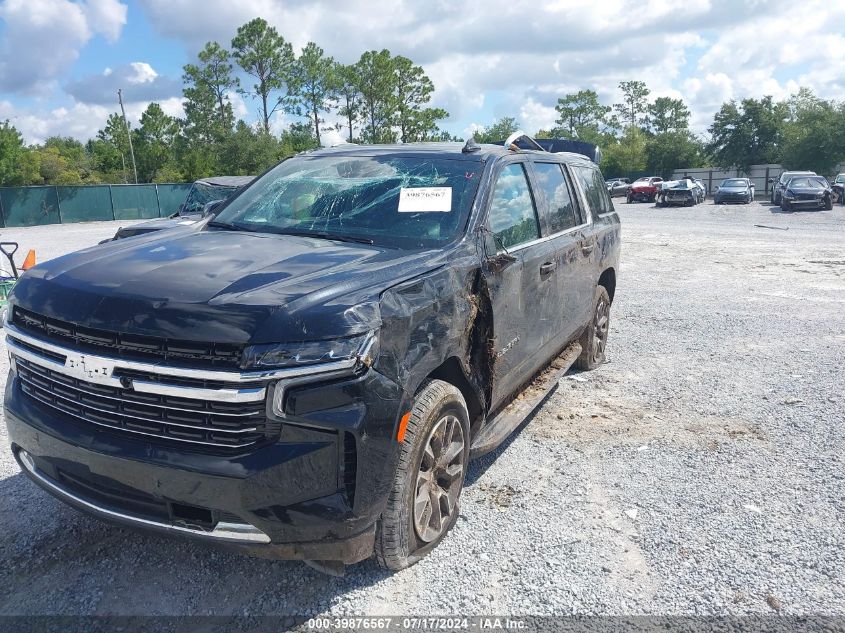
594, 339
404, 536
630, 199
828, 203
784, 206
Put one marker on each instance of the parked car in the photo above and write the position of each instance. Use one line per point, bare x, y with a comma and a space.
779, 185
203, 197
838, 186
803, 192
684, 191
644, 189
734, 190
618, 187
307, 373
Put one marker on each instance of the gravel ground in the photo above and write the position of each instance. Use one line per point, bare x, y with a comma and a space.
700, 471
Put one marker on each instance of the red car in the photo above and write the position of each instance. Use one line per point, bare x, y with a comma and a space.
645, 189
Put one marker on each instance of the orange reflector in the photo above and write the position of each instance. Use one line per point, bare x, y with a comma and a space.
403, 426
29, 262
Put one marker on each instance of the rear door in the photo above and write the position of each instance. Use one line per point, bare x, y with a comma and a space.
523, 287
599, 235
565, 220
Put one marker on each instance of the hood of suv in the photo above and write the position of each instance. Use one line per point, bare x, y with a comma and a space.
221, 286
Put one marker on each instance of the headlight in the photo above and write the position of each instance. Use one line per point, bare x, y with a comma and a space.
284, 355
788, 194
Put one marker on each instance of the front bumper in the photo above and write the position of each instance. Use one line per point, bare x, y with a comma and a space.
801, 202
315, 493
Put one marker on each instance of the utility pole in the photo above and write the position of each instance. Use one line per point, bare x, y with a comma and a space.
128, 134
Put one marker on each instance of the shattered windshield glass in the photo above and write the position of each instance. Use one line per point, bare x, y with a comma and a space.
391, 200
201, 194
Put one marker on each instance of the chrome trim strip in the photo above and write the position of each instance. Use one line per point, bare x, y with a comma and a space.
157, 435
137, 417
145, 404
183, 372
546, 238
222, 531
253, 394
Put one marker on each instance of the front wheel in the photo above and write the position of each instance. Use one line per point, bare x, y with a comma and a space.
423, 502
594, 339
784, 206
828, 203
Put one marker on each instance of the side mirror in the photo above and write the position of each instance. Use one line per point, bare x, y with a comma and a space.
500, 261
498, 257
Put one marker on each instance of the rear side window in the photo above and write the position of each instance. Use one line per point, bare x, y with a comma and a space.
561, 213
594, 189
513, 218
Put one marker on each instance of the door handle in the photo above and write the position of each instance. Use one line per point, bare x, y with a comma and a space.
548, 268
587, 248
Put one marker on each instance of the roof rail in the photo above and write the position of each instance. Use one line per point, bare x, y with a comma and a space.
512, 142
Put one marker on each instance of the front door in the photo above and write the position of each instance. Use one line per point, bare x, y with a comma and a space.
522, 291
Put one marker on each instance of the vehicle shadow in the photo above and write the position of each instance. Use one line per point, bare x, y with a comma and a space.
55, 560
776, 209
479, 466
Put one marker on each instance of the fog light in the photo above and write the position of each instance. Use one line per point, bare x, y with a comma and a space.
26, 460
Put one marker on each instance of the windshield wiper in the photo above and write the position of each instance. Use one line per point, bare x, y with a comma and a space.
228, 226
328, 236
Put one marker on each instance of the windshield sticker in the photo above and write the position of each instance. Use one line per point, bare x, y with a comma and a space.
424, 199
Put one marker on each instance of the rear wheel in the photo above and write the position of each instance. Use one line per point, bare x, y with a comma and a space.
423, 502
594, 339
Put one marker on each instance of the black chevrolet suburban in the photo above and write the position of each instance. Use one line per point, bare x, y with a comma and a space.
307, 373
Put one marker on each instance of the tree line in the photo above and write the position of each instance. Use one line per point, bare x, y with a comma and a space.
383, 98
640, 135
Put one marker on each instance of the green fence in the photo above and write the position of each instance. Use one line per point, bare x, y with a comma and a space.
31, 206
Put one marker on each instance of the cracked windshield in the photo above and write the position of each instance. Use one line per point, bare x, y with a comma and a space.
397, 202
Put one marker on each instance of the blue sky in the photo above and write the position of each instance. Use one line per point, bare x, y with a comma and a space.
61, 61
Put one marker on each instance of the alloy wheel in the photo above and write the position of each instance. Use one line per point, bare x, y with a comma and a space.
440, 478
600, 329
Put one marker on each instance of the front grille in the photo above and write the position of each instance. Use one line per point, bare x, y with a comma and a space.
127, 346
192, 422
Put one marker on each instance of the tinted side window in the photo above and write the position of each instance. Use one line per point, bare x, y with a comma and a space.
561, 213
513, 217
594, 189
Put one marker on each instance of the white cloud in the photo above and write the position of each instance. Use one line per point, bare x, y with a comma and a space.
106, 17
487, 58
79, 121
42, 38
535, 116
139, 81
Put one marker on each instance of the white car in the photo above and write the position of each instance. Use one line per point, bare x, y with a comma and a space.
685, 191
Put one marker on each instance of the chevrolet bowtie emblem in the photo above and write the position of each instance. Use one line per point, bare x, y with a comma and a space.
90, 368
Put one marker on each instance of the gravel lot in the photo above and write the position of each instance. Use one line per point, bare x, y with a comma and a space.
700, 471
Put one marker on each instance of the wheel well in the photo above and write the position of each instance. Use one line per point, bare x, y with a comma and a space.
608, 280
450, 371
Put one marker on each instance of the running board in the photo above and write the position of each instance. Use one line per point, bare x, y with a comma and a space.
498, 428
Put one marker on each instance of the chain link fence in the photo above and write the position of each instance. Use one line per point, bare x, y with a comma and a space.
31, 206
